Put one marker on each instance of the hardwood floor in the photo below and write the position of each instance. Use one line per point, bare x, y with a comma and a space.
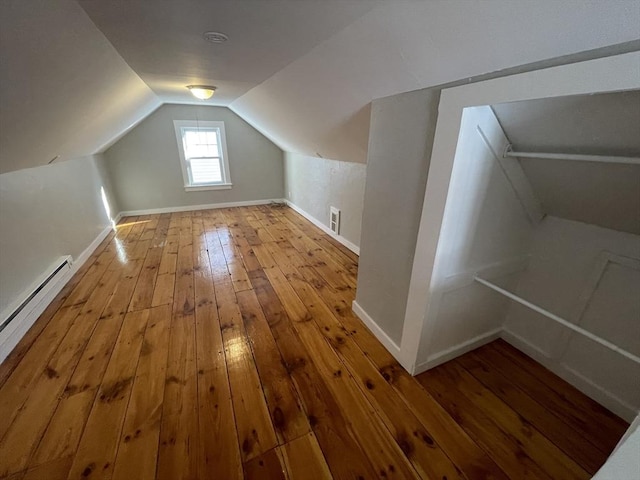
220, 344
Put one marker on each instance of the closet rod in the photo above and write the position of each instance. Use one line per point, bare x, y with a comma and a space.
570, 156
562, 321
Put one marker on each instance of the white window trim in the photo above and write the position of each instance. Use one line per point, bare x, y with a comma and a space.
226, 173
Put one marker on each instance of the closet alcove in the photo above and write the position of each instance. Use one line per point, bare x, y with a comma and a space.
540, 242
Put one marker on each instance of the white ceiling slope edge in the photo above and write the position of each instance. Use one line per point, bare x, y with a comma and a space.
317, 104
162, 40
64, 89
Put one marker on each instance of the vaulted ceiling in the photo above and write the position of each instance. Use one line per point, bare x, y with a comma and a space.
76, 76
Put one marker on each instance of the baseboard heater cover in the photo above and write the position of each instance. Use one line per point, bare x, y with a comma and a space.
38, 292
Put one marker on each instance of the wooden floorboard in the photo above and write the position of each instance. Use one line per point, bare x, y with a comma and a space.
221, 344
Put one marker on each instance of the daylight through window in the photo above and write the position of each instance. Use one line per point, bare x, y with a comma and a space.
203, 154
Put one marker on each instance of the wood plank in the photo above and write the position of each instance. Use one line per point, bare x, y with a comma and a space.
163, 290
458, 446
264, 257
249, 258
217, 259
594, 422
218, 440
505, 450
54, 470
287, 415
178, 453
303, 459
22, 438
255, 430
267, 466
344, 455
97, 269
143, 293
96, 453
450, 434
17, 388
341, 254
415, 441
538, 447
239, 276
169, 257
333, 273
62, 436
119, 302
183, 301
139, 249
94, 360
168, 262
138, 447
572, 444
384, 453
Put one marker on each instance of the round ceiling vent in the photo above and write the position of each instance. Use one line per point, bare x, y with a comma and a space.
215, 37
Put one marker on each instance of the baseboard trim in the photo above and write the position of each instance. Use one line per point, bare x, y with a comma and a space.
12, 337
457, 350
388, 343
350, 245
209, 206
84, 256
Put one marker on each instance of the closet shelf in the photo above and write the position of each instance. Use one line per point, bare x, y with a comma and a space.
560, 320
570, 156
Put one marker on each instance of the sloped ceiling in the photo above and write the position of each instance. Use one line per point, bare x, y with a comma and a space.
64, 90
604, 194
303, 72
162, 40
317, 104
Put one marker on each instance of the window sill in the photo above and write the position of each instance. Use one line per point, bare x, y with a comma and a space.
199, 188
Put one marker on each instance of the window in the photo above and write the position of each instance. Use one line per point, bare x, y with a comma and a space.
203, 154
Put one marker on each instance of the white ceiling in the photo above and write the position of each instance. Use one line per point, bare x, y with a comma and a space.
303, 72
603, 194
162, 40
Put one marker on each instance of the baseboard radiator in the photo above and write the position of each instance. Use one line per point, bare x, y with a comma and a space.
19, 317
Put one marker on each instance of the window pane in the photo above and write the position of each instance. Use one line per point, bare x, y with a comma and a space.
202, 135
205, 170
201, 151
201, 143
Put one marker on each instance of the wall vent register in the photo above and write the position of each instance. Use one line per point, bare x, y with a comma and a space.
334, 220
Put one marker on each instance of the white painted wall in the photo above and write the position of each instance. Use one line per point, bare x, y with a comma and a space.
145, 164
400, 140
485, 230
566, 276
314, 184
45, 213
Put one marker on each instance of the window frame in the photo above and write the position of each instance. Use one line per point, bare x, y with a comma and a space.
179, 125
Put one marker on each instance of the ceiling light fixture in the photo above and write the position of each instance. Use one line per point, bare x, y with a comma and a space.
203, 92
215, 37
